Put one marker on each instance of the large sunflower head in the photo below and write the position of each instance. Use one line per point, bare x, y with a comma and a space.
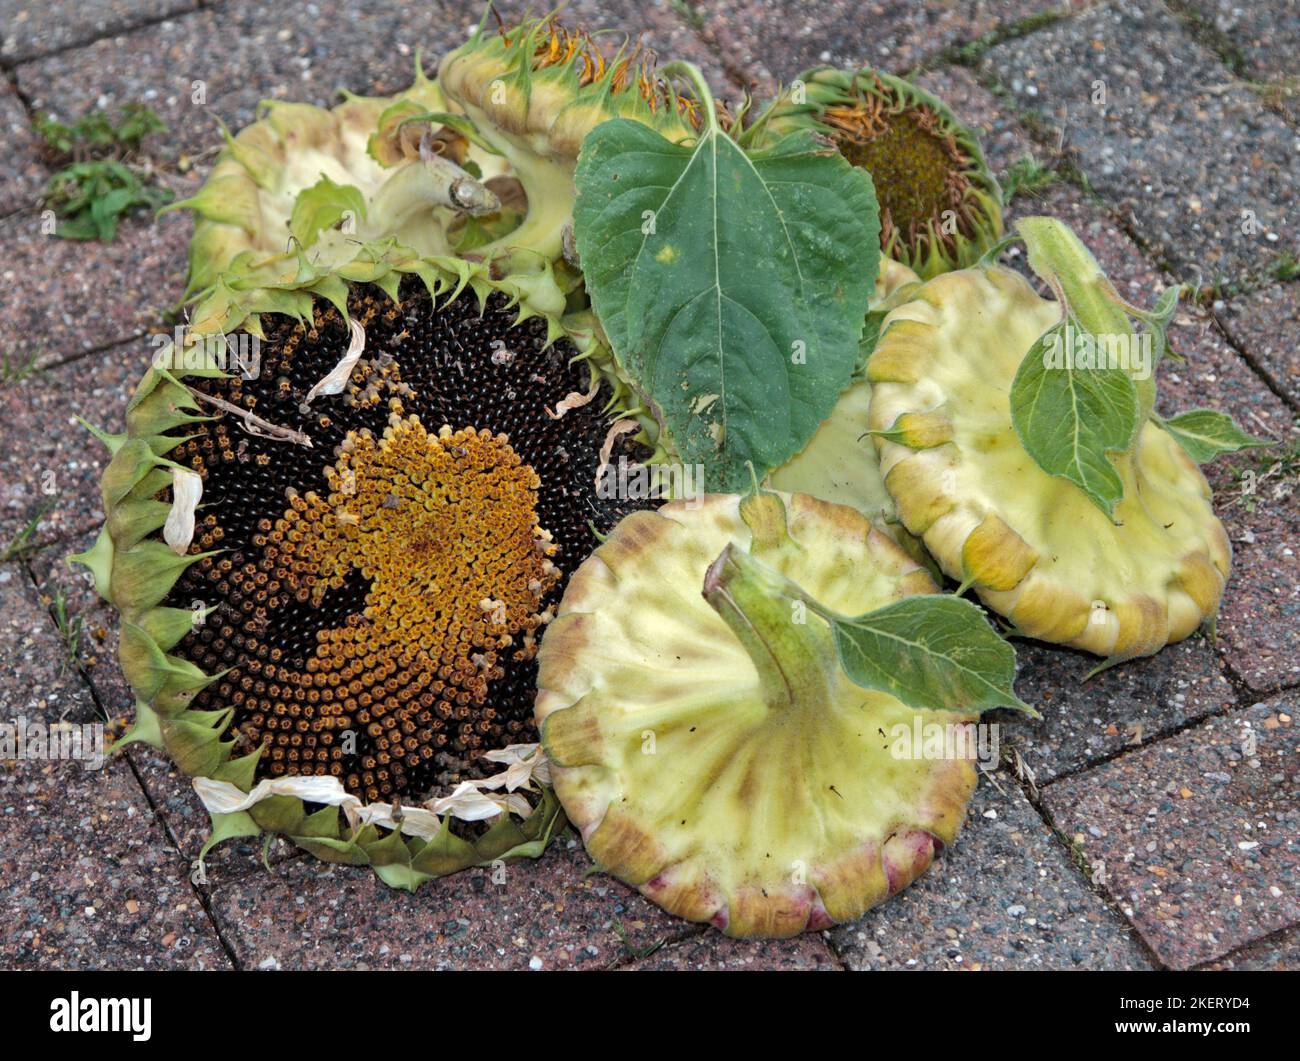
940, 207
706, 742
1033, 545
334, 557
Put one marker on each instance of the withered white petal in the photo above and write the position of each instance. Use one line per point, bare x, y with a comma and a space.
468, 801
621, 427
575, 400
342, 372
178, 531
525, 763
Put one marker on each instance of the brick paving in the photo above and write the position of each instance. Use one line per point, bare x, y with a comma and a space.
1196, 837
64, 299
1201, 170
1148, 819
1267, 323
1005, 896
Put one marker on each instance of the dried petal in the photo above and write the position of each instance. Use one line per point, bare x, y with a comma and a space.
178, 531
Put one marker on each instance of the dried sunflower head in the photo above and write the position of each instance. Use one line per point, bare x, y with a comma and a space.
1033, 545
709, 747
337, 566
940, 207
304, 179
533, 92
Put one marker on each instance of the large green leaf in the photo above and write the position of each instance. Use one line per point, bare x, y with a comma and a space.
1070, 419
930, 651
732, 287
1205, 433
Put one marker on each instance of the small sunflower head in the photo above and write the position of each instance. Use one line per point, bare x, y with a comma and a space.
551, 85
306, 188
940, 207
533, 92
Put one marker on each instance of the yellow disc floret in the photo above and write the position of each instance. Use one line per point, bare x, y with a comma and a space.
443, 528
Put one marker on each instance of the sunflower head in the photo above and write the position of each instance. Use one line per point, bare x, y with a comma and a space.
334, 559
324, 182
940, 207
712, 752
545, 86
533, 92
1033, 545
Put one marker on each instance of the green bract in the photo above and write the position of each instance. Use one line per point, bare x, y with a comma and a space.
940, 206
711, 748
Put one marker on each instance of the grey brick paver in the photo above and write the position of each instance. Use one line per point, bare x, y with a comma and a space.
1197, 837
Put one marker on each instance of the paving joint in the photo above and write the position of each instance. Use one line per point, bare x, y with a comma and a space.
1246, 696
697, 25
158, 816
1166, 734
1263, 373
1033, 794
1204, 32
627, 959
1275, 936
145, 22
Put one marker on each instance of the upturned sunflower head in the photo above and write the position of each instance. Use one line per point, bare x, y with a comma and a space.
549, 85
940, 207
324, 182
334, 558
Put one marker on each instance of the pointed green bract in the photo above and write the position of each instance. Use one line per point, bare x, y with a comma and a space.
533, 92
322, 206
299, 201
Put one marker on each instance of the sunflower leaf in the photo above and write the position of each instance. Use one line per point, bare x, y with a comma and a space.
1072, 416
733, 286
1205, 434
930, 651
